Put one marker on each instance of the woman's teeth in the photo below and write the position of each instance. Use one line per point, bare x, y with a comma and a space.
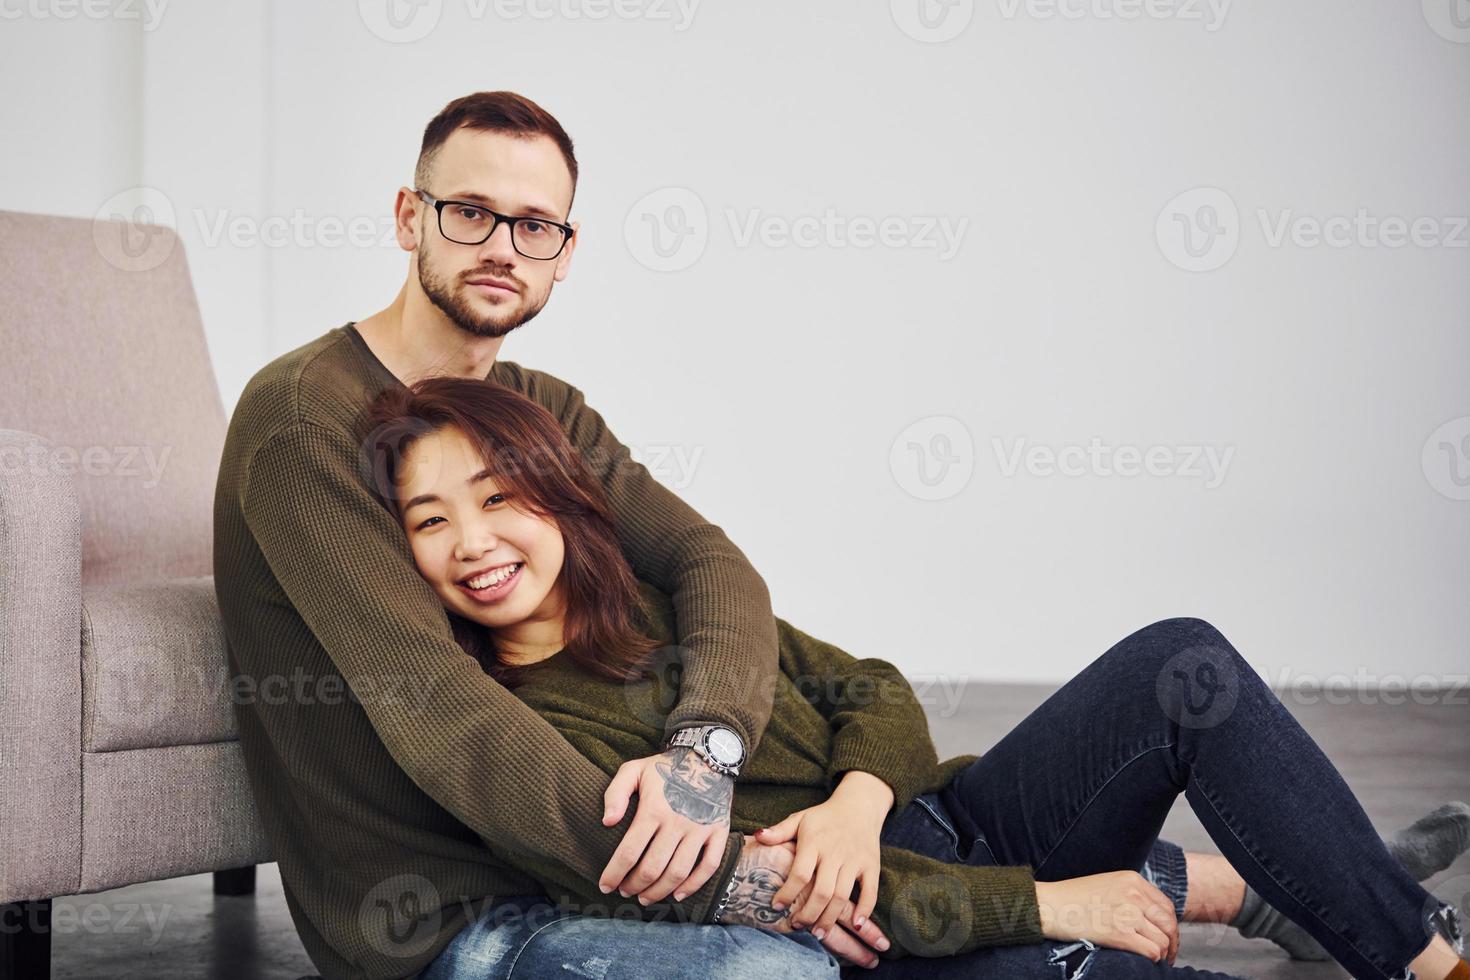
493, 578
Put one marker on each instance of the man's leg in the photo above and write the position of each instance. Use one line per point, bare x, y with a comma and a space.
531, 939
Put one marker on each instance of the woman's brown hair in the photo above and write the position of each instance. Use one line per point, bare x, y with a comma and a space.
541, 473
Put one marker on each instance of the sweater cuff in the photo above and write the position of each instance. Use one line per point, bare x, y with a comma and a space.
982, 906
889, 759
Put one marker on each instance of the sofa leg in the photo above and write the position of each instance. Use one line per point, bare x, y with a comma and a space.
25, 941
235, 881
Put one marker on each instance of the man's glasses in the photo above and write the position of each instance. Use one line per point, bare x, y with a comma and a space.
472, 224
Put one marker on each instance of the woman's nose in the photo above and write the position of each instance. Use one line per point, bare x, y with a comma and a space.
474, 542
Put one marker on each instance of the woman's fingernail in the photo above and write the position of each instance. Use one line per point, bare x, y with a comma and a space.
881, 944
857, 920
819, 933
604, 888
678, 896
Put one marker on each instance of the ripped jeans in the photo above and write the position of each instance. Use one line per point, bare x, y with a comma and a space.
1082, 786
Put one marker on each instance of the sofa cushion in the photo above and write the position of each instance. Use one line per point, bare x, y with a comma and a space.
154, 669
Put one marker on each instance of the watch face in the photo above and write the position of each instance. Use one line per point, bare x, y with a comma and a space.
724, 745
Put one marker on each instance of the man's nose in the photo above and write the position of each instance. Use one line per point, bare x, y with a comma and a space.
498, 249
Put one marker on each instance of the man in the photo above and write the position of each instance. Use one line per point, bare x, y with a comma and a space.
407, 797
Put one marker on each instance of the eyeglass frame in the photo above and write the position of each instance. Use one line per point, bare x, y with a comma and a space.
512, 220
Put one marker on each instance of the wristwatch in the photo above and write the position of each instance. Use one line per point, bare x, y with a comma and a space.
717, 745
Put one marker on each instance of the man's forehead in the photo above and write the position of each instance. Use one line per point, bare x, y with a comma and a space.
503, 171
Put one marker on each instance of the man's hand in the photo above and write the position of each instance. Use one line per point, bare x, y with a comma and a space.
760, 873
1121, 909
683, 810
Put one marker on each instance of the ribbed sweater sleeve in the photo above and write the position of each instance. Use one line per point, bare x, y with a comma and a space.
930, 908
878, 725
500, 768
725, 627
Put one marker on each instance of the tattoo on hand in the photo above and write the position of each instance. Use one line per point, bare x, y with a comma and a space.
756, 885
693, 789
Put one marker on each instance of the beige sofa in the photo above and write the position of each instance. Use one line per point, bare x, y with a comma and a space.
118, 754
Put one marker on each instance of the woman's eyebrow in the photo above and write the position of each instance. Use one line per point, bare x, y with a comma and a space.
429, 498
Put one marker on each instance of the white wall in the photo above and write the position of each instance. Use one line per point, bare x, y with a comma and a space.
1054, 140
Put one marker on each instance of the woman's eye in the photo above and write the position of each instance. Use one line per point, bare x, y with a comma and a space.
495, 498
428, 523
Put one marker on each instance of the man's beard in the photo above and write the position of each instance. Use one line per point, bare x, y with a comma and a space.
455, 305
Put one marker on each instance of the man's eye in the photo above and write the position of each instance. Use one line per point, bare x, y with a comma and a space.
533, 227
471, 214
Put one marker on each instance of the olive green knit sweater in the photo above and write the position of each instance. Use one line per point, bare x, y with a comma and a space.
399, 786
383, 760
831, 714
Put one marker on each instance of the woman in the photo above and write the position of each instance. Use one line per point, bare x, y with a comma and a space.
1052, 835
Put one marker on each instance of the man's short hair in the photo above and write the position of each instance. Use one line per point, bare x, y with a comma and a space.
496, 112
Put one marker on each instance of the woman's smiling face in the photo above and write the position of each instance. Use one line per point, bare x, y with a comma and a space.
489, 560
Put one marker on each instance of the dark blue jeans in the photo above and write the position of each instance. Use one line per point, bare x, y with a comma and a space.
1083, 784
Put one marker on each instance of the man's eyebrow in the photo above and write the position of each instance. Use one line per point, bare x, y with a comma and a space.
534, 209
430, 498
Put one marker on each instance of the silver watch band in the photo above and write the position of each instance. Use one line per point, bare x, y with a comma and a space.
697, 738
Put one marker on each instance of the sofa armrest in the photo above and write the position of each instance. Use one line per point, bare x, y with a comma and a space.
40, 672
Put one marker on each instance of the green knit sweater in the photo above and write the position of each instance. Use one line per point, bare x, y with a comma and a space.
382, 759
393, 777
831, 713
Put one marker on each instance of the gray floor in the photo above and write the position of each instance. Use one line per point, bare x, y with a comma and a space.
1400, 759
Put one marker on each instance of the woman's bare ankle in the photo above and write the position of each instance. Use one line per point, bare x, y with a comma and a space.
1215, 889
1436, 962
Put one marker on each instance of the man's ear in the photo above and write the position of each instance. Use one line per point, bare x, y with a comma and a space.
407, 206
564, 260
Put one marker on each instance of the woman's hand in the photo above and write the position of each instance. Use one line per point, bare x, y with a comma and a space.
1121, 909
837, 847
683, 811
758, 875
